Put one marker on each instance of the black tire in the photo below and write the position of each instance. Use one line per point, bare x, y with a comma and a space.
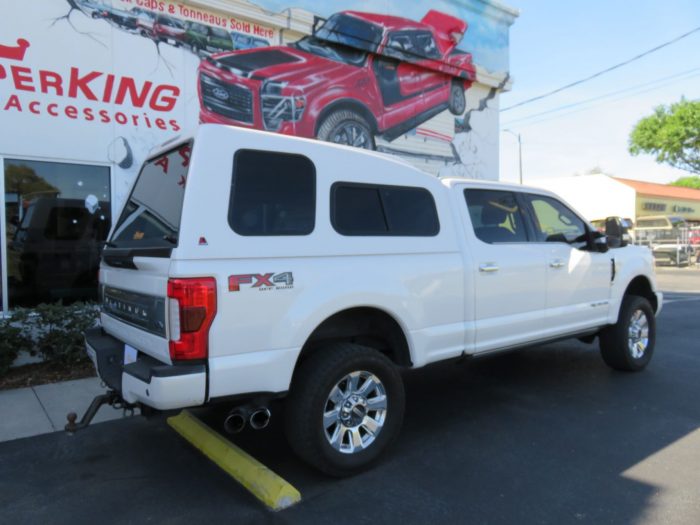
346, 127
615, 339
458, 100
308, 400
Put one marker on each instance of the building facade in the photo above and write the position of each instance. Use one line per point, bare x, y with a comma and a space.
89, 87
599, 196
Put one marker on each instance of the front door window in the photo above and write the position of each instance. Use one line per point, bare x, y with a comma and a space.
57, 218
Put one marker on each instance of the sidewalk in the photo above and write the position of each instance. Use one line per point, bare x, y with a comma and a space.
42, 409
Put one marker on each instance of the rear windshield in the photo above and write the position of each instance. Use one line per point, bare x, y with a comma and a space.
151, 216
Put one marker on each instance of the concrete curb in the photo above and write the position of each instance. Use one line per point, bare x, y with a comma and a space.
42, 409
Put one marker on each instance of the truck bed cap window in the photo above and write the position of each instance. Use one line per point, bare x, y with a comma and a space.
369, 209
272, 194
151, 215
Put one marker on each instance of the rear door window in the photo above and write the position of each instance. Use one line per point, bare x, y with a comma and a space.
272, 194
496, 216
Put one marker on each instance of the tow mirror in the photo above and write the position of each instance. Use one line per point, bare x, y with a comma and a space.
616, 233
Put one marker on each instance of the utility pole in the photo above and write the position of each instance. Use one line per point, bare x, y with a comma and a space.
520, 153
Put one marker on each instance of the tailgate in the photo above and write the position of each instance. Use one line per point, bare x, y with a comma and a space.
134, 305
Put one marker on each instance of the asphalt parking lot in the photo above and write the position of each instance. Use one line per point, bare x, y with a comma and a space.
547, 435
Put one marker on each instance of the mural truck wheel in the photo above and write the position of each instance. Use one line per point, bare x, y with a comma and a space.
458, 102
346, 127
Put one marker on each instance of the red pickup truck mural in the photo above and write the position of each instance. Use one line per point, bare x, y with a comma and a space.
359, 75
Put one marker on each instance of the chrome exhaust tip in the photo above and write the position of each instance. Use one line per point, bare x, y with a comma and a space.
260, 418
234, 422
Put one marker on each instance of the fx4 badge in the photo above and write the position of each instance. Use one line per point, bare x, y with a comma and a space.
261, 281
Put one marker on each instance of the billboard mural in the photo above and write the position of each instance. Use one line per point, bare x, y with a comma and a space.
103, 82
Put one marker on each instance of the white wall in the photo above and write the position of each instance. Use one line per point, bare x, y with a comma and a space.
595, 196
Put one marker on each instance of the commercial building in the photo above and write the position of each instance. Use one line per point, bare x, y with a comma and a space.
599, 196
89, 87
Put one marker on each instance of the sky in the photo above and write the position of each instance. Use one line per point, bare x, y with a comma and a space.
553, 43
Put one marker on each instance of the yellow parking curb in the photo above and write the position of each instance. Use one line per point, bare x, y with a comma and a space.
264, 484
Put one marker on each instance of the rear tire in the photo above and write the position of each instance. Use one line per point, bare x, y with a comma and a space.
344, 409
628, 345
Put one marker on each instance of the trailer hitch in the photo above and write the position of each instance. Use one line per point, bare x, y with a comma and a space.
110, 398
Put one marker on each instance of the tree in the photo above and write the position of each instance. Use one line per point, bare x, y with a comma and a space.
688, 182
672, 134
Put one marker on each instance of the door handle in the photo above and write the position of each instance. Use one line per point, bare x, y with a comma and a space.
488, 268
556, 263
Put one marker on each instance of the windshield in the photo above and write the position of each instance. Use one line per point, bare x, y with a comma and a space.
336, 52
350, 31
151, 216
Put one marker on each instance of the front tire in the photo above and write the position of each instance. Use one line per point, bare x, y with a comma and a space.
629, 344
346, 127
345, 408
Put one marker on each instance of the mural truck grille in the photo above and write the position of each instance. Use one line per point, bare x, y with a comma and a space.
231, 101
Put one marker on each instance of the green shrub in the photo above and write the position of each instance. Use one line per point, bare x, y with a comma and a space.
59, 331
53, 331
13, 340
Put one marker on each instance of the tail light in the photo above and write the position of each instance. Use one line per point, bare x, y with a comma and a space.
192, 307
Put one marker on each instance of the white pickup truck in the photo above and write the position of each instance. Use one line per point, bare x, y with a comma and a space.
247, 266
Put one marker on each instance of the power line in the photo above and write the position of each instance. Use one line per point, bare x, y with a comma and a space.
606, 95
604, 71
577, 110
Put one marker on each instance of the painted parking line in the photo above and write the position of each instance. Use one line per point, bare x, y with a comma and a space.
264, 484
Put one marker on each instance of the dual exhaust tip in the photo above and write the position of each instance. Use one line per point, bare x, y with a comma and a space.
237, 419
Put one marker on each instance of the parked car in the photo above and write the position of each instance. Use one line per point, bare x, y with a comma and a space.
206, 39
91, 8
244, 41
168, 29
358, 76
56, 249
624, 226
144, 21
661, 228
680, 254
249, 266
694, 237
119, 17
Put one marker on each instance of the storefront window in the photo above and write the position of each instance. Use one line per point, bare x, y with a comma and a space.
57, 218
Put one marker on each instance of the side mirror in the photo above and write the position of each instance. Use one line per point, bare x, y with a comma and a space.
617, 234
599, 242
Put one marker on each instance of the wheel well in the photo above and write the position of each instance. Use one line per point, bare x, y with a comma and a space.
365, 326
349, 104
642, 287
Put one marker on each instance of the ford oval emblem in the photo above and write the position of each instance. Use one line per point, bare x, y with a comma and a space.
220, 93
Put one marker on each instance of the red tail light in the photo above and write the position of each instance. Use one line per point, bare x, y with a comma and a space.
193, 307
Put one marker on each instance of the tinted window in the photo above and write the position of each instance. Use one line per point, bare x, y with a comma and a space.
554, 222
57, 216
151, 216
363, 209
425, 45
496, 216
350, 31
272, 194
358, 211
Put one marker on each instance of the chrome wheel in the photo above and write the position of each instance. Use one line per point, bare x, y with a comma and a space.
638, 334
352, 134
355, 412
